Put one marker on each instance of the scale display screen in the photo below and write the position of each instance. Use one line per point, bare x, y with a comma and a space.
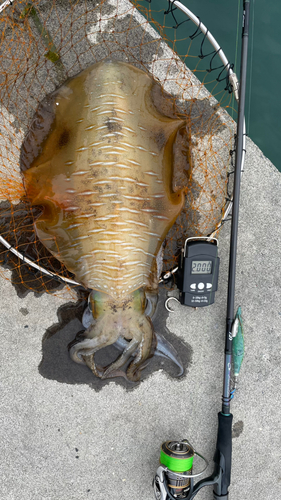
201, 267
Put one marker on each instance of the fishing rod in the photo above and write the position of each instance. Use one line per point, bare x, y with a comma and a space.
174, 478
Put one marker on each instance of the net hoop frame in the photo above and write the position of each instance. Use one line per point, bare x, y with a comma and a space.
235, 89
235, 86
5, 4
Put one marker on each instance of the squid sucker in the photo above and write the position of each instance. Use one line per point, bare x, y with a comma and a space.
100, 159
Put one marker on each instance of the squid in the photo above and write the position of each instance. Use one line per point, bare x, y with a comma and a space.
104, 159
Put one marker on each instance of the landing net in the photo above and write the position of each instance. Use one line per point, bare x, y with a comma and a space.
44, 43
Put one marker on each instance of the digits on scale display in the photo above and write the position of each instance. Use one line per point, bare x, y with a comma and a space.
201, 267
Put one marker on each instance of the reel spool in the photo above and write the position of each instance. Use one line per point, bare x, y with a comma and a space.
177, 456
174, 478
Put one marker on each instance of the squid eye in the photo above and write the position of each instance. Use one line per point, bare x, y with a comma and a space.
87, 319
150, 304
148, 307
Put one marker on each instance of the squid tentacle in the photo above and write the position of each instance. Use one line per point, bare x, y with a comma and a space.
86, 344
163, 347
144, 353
114, 368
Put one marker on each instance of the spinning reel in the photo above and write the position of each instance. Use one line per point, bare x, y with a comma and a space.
174, 477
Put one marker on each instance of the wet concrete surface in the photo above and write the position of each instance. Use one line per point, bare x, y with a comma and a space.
62, 439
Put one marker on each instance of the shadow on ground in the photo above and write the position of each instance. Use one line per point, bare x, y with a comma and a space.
57, 365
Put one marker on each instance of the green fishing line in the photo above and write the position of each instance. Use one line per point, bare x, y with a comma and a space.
176, 464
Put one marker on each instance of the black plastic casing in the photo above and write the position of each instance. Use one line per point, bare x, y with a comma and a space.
199, 298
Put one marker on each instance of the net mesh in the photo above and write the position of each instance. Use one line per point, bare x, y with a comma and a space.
45, 42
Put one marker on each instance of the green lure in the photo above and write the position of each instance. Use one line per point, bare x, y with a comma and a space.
237, 343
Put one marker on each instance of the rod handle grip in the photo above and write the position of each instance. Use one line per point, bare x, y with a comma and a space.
220, 497
223, 454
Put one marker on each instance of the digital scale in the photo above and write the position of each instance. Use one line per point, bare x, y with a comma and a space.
199, 272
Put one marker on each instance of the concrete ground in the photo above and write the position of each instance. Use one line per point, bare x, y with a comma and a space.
67, 435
